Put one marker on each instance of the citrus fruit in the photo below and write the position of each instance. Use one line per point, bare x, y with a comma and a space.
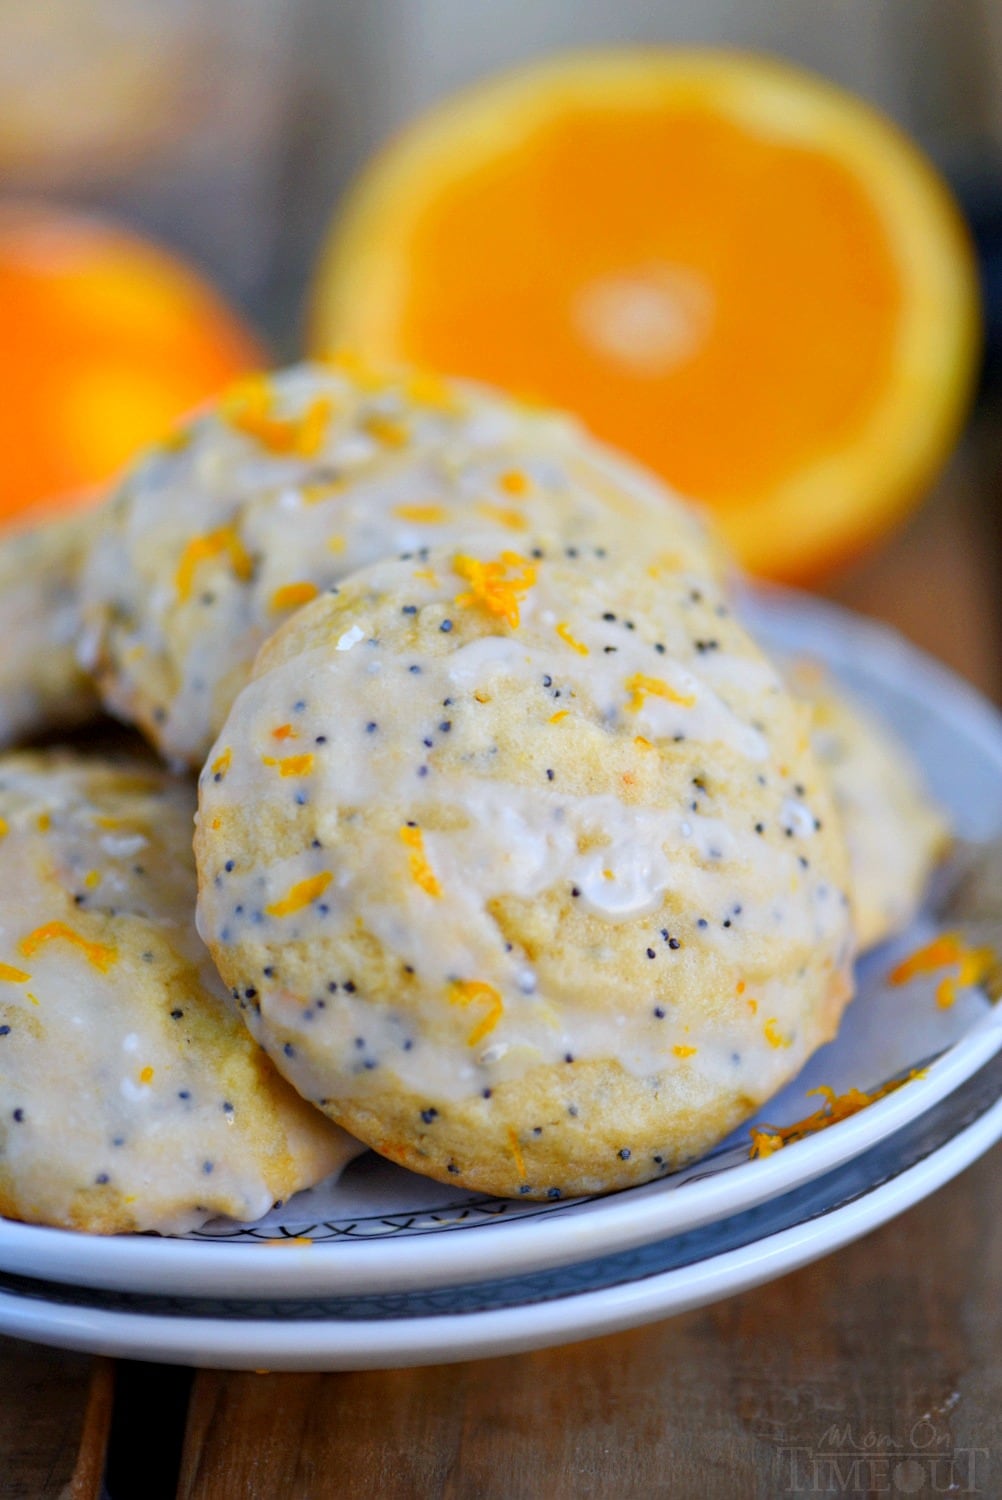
107, 340
728, 267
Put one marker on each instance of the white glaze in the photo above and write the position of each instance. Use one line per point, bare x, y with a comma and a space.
114, 1092
174, 660
488, 838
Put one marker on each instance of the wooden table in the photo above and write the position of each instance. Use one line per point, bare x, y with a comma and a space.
894, 1343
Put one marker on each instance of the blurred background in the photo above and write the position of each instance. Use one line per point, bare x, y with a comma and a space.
228, 131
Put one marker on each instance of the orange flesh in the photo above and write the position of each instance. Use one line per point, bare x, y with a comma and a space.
756, 276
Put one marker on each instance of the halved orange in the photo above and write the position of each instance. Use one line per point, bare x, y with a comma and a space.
726, 266
108, 339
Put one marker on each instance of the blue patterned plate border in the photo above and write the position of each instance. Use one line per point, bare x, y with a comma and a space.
382, 1229
525, 1311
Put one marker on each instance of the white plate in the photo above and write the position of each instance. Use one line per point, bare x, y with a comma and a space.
383, 1229
380, 1331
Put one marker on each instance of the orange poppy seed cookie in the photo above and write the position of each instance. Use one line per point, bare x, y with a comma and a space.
520, 866
42, 687
133, 1098
293, 482
894, 831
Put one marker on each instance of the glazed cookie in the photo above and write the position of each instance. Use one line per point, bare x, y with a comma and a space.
295, 482
521, 868
133, 1098
41, 684
895, 833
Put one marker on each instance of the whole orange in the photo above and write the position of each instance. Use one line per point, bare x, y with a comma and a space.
107, 340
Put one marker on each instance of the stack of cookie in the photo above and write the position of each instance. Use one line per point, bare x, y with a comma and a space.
514, 853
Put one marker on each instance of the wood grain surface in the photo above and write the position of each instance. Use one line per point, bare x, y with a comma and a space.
55, 1409
875, 1371
940, 580
893, 1345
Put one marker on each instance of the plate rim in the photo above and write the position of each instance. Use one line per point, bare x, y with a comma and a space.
328, 1344
558, 1236
241, 1268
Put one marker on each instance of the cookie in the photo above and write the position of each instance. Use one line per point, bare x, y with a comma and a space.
294, 482
42, 687
521, 867
895, 833
132, 1097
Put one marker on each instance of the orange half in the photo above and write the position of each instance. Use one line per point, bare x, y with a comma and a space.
729, 268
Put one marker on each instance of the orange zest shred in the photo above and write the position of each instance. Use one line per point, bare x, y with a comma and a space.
503, 515
146, 1076
421, 871
285, 732
213, 544
10, 975
292, 595
498, 586
100, 955
973, 965
249, 407
355, 366
222, 763
773, 1035
559, 716
290, 765
640, 687
425, 388
471, 991
564, 632
516, 1151
681, 1050
767, 1139
943, 950
386, 430
513, 482
302, 894
315, 492
422, 515
667, 562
